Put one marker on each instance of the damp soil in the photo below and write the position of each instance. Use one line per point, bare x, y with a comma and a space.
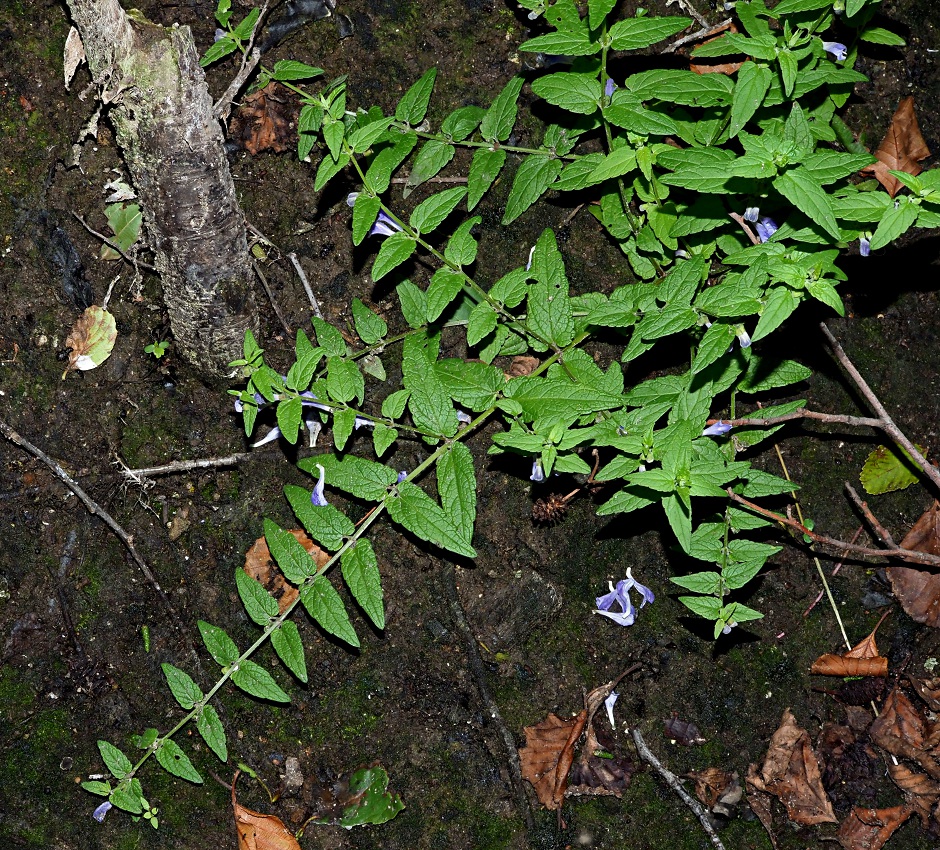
74, 608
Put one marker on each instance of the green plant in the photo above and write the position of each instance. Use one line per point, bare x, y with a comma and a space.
157, 349
730, 203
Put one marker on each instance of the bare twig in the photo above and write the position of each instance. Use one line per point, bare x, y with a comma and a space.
839, 545
492, 710
95, 509
184, 466
803, 413
673, 782
271, 298
137, 264
686, 6
303, 279
835, 572
887, 423
707, 31
883, 534
250, 60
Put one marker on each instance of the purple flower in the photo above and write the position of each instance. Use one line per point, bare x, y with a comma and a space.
839, 51
864, 246
609, 705
717, 429
401, 476
463, 418
620, 596
362, 422
270, 437
751, 214
99, 813
766, 228
308, 399
317, 497
538, 474
384, 226
610, 87
743, 336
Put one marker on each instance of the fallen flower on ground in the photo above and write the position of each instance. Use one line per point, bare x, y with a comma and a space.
620, 596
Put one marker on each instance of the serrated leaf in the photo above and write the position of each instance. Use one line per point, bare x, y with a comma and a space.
534, 177
414, 304
324, 523
393, 405
118, 763
221, 647
422, 516
290, 649
577, 93
344, 381
498, 122
394, 251
443, 289
124, 221
897, 219
290, 69
361, 139
289, 414
373, 803
413, 106
598, 10
325, 606
880, 35
128, 799
175, 761
329, 168
255, 681
361, 574
616, 164
329, 338
185, 691
562, 44
430, 213
637, 33
462, 246
212, 731
370, 326
682, 87
764, 374
752, 84
484, 169
781, 303
805, 193
344, 423
382, 437
365, 209
706, 582
294, 561
387, 159
481, 323
888, 469
93, 786
364, 479
457, 486
259, 604
429, 161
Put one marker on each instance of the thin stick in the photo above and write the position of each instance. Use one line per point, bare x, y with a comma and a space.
492, 710
755, 240
839, 545
888, 425
883, 534
673, 782
95, 509
803, 413
303, 279
686, 6
185, 466
114, 246
271, 298
706, 32
835, 572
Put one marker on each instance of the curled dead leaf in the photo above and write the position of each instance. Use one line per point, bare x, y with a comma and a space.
711, 783
260, 566
841, 665
928, 690
902, 730
521, 366
920, 792
869, 829
548, 754
266, 120
260, 832
918, 591
901, 149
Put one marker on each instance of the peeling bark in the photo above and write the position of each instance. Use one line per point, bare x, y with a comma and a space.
173, 146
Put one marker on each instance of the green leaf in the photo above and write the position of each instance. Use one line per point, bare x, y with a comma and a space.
889, 468
387, 159
221, 647
344, 423
325, 606
637, 33
413, 106
118, 763
766, 374
210, 727
185, 691
457, 486
394, 251
294, 561
365, 210
562, 44
370, 327
481, 323
823, 290
462, 122
290, 69
705, 606
680, 519
683, 87
788, 7
577, 93
361, 573
324, 523
259, 604
781, 303
422, 516
708, 583
308, 125
549, 312
533, 178
307, 358
789, 69
484, 169
414, 304
290, 649
749, 90
146, 739
344, 381
289, 413
430, 213
598, 10
124, 221
498, 122
879, 35
462, 246
382, 437
896, 220
216, 51
621, 161
175, 761
393, 405
328, 169
254, 680
364, 479
244, 29
443, 289
429, 161
361, 139
713, 345
471, 384
373, 803
330, 339
93, 786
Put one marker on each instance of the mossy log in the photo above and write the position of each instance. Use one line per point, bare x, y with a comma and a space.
172, 144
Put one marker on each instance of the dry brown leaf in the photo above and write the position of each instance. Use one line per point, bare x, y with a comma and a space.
710, 784
901, 149
548, 754
759, 801
260, 566
918, 591
717, 65
842, 665
260, 832
266, 120
869, 829
522, 365
920, 792
791, 773
682, 731
902, 731
928, 690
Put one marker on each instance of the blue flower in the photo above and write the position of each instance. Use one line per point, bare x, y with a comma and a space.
538, 474
610, 87
620, 596
864, 246
270, 437
839, 51
317, 497
717, 429
743, 336
401, 476
101, 811
384, 226
751, 214
766, 228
